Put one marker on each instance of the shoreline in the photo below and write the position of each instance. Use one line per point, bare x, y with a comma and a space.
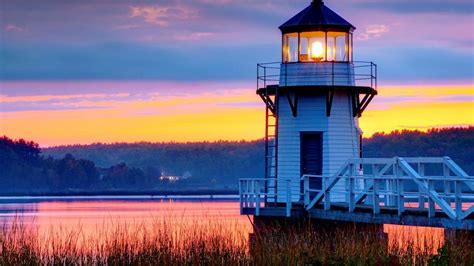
124, 197
198, 194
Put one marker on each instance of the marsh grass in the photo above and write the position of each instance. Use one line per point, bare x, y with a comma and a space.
176, 241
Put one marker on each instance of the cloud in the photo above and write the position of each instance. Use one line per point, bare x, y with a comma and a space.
163, 15
12, 27
59, 98
373, 32
216, 2
181, 36
127, 26
194, 36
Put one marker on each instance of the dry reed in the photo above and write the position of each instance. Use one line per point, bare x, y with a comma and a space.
171, 241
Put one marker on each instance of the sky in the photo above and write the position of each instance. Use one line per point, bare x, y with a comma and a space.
125, 71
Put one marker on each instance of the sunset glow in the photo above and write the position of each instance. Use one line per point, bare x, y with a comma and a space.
158, 112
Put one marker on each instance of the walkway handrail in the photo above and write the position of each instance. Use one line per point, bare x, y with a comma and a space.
386, 179
252, 196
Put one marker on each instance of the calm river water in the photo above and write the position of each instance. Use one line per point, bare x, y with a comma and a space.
95, 216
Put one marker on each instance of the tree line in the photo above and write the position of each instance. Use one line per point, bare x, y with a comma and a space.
197, 166
23, 170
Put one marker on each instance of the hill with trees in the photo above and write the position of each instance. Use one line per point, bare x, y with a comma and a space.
23, 170
457, 143
173, 167
199, 165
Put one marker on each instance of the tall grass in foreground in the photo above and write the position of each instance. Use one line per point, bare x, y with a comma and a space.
171, 241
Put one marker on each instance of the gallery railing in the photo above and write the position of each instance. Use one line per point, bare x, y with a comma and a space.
364, 73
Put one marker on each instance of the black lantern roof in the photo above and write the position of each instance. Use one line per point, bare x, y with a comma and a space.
316, 17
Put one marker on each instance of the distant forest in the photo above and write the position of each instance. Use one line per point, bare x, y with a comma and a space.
173, 167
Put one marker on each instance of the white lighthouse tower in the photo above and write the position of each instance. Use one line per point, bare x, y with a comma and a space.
314, 99
313, 158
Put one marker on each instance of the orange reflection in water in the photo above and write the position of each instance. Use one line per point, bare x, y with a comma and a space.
87, 222
99, 221
419, 239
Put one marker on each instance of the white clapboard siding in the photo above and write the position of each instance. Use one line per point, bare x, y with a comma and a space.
340, 138
343, 137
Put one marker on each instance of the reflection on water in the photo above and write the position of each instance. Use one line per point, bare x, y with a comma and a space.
419, 238
97, 220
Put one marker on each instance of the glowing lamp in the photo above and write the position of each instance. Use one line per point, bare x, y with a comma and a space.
317, 51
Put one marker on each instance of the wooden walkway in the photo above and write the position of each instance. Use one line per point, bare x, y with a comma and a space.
406, 191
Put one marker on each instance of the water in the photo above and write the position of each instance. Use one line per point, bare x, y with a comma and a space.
96, 217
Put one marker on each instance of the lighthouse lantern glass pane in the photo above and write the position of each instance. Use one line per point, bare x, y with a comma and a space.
304, 48
290, 47
331, 52
317, 46
341, 52
338, 46
313, 46
350, 47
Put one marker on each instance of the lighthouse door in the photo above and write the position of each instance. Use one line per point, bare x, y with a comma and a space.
312, 157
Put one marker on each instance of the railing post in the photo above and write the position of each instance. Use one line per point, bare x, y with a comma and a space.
371, 74
240, 197
375, 76
257, 199
288, 198
421, 197
431, 203
401, 199
390, 200
375, 187
250, 194
264, 77
458, 199
327, 194
351, 189
399, 190
447, 183
376, 198
306, 192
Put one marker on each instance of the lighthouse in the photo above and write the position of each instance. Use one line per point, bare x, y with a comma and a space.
314, 98
314, 168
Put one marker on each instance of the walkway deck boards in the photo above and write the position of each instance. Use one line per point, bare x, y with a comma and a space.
385, 217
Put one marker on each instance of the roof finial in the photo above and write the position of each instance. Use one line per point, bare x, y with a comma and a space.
318, 2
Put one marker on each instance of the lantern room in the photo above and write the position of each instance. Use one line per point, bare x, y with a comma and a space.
317, 46
317, 34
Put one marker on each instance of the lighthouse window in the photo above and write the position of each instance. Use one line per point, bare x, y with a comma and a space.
313, 46
290, 47
351, 40
331, 51
317, 46
338, 46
